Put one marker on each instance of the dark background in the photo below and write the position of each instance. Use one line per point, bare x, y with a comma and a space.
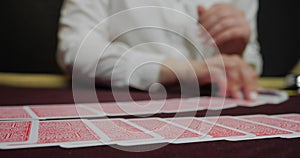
279, 35
29, 27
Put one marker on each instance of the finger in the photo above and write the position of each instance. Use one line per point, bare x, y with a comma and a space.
201, 10
234, 81
223, 25
240, 33
215, 8
219, 77
233, 89
234, 84
213, 16
216, 74
250, 82
208, 21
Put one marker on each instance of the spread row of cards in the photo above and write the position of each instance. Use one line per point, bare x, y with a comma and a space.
75, 133
93, 110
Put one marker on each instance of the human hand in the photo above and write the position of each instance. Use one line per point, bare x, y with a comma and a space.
239, 77
230, 72
227, 25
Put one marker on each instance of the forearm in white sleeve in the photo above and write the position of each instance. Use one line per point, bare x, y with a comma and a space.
87, 57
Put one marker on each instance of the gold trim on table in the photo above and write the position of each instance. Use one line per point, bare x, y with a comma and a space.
33, 80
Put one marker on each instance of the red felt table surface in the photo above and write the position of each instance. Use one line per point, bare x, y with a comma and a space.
275, 147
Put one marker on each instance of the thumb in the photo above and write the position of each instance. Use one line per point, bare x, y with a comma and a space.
201, 10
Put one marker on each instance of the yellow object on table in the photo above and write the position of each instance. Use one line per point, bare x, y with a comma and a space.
33, 80
275, 83
272, 82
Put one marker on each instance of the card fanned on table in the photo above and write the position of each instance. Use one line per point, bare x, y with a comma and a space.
86, 124
98, 110
74, 133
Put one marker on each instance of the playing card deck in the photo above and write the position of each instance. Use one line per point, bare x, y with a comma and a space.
141, 131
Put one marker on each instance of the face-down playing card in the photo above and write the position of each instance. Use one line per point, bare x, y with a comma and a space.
258, 129
174, 105
121, 132
272, 96
214, 131
211, 103
14, 113
17, 132
172, 133
243, 102
144, 107
121, 108
292, 117
60, 132
224, 103
62, 111
179, 105
277, 123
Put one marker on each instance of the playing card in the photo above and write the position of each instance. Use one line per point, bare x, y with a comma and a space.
118, 131
272, 96
169, 105
62, 111
216, 132
172, 133
14, 113
214, 103
179, 105
293, 117
144, 107
60, 132
259, 130
17, 132
121, 108
277, 123
242, 102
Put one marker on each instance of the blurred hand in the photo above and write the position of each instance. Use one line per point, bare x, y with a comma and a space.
232, 74
239, 77
227, 25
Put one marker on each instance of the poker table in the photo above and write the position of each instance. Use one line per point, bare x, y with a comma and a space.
273, 147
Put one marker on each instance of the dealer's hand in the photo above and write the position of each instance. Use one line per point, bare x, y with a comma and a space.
230, 72
227, 25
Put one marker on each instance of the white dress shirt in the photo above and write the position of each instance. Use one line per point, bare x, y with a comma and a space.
121, 42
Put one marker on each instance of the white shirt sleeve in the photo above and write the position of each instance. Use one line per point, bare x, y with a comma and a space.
252, 52
117, 65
